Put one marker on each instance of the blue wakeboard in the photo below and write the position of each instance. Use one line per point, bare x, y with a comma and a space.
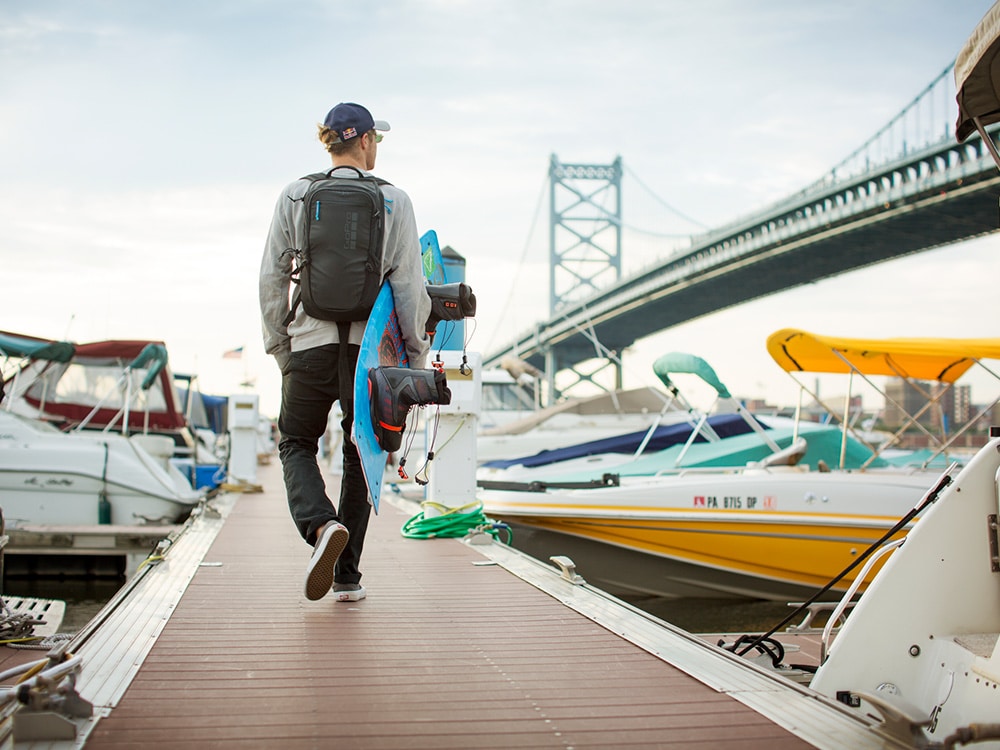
430, 253
382, 346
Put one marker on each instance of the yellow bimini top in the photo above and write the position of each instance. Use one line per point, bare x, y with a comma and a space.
944, 360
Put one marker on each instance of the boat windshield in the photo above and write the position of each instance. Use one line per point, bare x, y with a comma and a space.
96, 384
509, 396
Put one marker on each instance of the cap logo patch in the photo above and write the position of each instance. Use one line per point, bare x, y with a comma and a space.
347, 133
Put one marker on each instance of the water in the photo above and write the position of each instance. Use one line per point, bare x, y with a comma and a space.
84, 597
717, 615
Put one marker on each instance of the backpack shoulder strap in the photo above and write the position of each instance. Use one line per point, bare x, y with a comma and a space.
345, 373
315, 176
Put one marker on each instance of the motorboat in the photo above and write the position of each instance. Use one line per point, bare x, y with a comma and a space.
569, 422
725, 436
919, 651
206, 415
512, 421
510, 393
773, 532
79, 476
123, 386
774, 527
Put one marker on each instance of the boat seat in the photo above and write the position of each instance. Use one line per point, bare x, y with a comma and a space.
160, 447
980, 644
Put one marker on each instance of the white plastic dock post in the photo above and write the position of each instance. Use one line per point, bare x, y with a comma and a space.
452, 473
243, 420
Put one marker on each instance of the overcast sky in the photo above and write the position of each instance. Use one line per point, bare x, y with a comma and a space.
143, 145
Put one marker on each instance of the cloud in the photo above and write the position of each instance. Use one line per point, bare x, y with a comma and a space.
144, 145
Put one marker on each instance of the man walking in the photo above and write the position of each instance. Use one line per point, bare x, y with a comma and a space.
317, 370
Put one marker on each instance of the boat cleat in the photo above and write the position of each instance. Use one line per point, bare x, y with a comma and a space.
567, 569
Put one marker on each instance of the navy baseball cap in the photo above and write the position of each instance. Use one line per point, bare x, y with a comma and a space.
350, 120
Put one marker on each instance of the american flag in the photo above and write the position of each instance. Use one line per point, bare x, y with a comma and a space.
236, 353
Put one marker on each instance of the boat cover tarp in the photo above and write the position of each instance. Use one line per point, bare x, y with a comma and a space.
161, 410
209, 412
824, 444
725, 425
943, 360
823, 441
679, 362
217, 410
16, 345
977, 76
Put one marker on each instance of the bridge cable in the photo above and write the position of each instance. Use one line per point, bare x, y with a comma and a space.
520, 265
666, 205
887, 128
600, 349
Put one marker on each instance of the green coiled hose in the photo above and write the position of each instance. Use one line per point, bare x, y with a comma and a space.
453, 522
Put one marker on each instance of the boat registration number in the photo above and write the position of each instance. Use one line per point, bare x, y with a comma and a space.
736, 502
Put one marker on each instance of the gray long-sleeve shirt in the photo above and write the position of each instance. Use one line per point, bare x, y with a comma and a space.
401, 267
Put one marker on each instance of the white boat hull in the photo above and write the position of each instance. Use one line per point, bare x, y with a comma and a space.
48, 477
924, 641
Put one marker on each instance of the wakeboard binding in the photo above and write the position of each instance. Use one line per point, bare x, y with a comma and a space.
394, 391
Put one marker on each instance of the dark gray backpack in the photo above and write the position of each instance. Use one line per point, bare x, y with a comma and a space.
339, 272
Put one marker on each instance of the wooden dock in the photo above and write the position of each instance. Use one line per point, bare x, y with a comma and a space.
458, 645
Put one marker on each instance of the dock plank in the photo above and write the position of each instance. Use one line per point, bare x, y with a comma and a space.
446, 652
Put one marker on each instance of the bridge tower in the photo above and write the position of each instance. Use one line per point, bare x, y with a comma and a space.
585, 247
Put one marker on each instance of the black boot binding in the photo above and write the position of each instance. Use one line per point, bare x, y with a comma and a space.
393, 391
449, 302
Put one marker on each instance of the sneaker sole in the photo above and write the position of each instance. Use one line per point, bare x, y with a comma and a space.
319, 574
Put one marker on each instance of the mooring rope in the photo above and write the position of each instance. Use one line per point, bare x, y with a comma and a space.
17, 630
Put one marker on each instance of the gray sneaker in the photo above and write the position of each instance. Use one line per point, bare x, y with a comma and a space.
319, 573
349, 592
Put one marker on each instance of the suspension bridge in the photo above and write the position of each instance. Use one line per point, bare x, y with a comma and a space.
909, 188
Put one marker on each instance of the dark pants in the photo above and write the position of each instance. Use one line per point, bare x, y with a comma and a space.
311, 383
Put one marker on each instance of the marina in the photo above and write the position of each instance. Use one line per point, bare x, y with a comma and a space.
558, 569
466, 640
